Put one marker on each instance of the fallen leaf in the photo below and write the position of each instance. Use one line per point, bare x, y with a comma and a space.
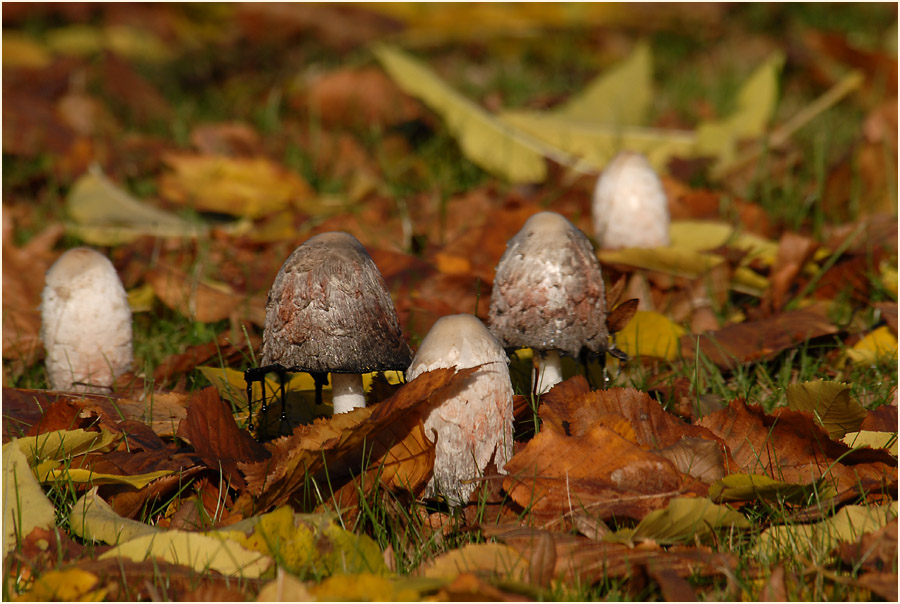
25, 507
829, 403
105, 214
285, 587
486, 141
875, 551
875, 440
754, 341
203, 553
879, 346
683, 520
755, 487
61, 444
490, 558
93, 519
794, 251
215, 436
698, 457
650, 334
819, 539
204, 301
69, 585
251, 187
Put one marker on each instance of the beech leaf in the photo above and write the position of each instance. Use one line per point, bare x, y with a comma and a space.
25, 507
93, 519
829, 403
681, 521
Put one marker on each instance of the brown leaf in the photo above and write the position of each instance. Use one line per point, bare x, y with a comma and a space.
215, 436
774, 590
203, 302
137, 96
619, 317
754, 341
357, 97
882, 584
875, 552
589, 561
791, 447
231, 139
598, 471
64, 414
880, 419
200, 354
794, 251
698, 457
343, 441
889, 314
673, 587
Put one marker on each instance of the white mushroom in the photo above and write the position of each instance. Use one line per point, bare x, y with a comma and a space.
629, 207
472, 424
549, 296
329, 311
85, 323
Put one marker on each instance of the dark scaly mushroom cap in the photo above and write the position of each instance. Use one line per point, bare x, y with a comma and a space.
548, 292
329, 311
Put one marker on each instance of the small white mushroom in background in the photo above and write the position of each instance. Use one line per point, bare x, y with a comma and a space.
549, 296
472, 424
630, 207
85, 323
329, 311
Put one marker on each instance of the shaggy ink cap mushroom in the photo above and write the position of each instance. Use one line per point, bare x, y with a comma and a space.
549, 295
629, 208
473, 423
329, 311
85, 323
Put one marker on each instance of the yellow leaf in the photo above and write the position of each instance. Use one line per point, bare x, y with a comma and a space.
93, 519
21, 51
594, 145
364, 587
285, 587
755, 106
140, 299
83, 476
889, 276
105, 214
75, 40
650, 334
829, 403
620, 96
61, 444
870, 438
200, 552
699, 235
816, 541
683, 263
494, 558
250, 187
683, 519
69, 585
136, 44
879, 345
486, 141
752, 487
25, 507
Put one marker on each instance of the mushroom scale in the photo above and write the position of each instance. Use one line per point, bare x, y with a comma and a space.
548, 292
629, 208
329, 311
85, 323
473, 423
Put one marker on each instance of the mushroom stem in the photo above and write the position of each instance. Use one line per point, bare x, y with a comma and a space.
548, 372
347, 392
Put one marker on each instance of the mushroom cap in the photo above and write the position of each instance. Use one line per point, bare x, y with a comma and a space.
329, 311
85, 322
460, 341
472, 423
548, 292
629, 206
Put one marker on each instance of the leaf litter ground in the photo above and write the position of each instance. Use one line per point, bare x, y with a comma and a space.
758, 412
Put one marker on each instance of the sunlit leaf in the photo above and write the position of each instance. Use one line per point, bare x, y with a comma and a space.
830, 403
875, 440
105, 214
25, 507
621, 95
129, 42
93, 519
20, 50
84, 476
198, 551
60, 444
817, 540
650, 334
485, 140
878, 346
491, 558
69, 585
754, 487
683, 520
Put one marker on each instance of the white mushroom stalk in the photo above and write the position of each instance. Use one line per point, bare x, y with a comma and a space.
329, 311
549, 295
629, 207
85, 323
473, 424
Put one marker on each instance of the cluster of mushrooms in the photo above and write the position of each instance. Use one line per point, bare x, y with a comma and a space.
329, 313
